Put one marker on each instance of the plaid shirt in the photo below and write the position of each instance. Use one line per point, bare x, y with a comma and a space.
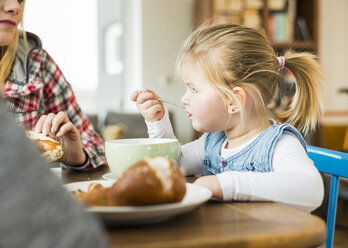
36, 87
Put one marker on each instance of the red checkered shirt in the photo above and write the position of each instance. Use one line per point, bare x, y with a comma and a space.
36, 87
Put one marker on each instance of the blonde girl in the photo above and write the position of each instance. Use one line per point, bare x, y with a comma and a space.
231, 75
38, 95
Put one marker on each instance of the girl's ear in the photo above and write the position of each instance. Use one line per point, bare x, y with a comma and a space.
233, 106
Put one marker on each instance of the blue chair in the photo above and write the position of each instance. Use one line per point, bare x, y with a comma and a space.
336, 164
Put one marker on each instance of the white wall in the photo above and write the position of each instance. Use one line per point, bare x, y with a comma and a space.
165, 26
333, 52
155, 31
68, 33
161, 27
133, 52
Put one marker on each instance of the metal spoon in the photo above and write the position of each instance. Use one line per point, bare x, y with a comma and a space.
174, 104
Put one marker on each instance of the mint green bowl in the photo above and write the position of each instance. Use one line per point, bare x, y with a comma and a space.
122, 153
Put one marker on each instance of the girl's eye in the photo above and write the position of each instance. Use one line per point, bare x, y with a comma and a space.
20, 1
194, 90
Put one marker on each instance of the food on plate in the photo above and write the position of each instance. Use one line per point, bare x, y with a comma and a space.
52, 149
95, 196
149, 181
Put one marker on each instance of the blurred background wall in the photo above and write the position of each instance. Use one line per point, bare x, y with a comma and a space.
146, 37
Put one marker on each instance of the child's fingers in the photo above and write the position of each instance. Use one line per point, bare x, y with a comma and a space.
152, 112
146, 96
134, 95
149, 91
154, 95
159, 115
149, 103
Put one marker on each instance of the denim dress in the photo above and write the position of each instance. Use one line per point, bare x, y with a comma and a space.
256, 157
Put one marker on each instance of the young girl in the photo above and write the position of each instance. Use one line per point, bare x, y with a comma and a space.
39, 96
231, 76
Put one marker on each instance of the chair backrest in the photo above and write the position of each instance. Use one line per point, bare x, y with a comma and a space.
134, 123
336, 164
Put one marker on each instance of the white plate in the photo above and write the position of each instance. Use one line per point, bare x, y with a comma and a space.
195, 196
108, 176
57, 171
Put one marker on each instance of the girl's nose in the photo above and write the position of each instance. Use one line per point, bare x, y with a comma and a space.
184, 100
12, 7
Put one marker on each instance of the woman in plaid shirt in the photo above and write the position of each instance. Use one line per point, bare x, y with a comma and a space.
38, 94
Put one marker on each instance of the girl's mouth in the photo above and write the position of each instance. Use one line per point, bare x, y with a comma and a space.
8, 22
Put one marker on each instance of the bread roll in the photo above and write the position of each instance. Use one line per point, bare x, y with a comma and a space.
150, 181
97, 195
51, 147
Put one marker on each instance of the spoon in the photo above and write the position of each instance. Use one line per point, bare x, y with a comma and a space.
174, 104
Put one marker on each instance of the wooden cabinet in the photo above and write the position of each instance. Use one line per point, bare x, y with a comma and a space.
287, 23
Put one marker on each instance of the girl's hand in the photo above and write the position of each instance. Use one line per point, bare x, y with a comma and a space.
148, 105
212, 183
60, 127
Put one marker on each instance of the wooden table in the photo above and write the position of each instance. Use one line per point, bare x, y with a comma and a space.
220, 224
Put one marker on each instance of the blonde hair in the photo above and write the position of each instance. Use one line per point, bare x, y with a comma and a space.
230, 55
8, 53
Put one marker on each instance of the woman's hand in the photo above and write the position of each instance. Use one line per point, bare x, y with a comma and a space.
212, 183
60, 127
148, 105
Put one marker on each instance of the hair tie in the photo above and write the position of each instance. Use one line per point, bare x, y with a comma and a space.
281, 62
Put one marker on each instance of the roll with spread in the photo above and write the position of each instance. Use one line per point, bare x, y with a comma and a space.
52, 149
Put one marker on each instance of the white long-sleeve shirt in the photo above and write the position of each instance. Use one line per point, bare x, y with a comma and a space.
294, 180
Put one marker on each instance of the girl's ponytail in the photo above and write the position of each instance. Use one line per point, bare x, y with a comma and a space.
306, 105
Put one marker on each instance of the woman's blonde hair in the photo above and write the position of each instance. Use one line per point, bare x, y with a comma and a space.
8, 53
230, 55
